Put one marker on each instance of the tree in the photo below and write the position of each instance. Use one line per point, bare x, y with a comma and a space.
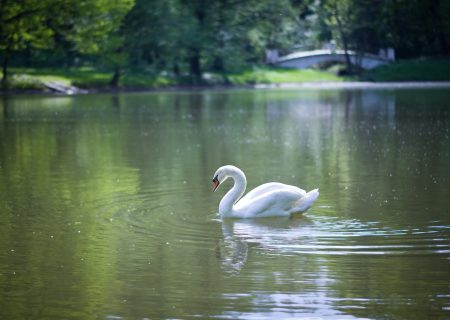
341, 22
22, 23
151, 30
274, 24
199, 35
417, 27
35, 24
413, 27
112, 46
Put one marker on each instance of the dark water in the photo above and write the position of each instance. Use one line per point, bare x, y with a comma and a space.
106, 209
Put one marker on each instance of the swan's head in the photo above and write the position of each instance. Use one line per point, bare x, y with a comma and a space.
219, 177
223, 173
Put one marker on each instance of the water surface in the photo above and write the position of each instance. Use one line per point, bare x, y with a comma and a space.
106, 209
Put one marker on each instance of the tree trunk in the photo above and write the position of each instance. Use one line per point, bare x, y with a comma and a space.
219, 66
5, 69
347, 56
343, 37
176, 70
195, 67
115, 78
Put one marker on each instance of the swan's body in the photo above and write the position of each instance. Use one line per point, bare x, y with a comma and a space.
268, 200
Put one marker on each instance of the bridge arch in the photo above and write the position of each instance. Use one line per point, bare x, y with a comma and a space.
307, 59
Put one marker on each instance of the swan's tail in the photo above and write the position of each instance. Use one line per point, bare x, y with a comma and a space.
307, 201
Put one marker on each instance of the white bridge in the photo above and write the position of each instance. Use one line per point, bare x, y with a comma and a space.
307, 59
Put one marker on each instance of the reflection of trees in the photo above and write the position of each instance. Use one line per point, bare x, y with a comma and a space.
386, 141
4, 108
54, 169
348, 143
70, 164
359, 146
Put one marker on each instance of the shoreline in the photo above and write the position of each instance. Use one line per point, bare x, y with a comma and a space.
358, 85
259, 86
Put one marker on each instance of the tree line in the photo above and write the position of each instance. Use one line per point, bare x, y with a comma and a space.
185, 38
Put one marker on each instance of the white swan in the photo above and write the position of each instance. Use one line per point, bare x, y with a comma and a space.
268, 200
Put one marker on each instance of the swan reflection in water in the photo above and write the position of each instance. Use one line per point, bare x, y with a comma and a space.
268, 234
308, 280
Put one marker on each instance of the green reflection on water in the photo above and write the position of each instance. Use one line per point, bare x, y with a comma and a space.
106, 207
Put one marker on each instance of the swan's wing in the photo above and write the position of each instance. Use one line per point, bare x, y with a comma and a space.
278, 200
267, 188
307, 201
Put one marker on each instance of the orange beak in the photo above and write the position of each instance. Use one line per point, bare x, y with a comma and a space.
216, 183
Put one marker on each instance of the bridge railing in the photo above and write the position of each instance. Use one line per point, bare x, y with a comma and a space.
305, 59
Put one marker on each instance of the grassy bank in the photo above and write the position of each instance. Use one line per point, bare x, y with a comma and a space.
86, 78
425, 69
89, 78
275, 75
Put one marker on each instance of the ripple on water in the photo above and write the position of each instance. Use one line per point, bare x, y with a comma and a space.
155, 215
321, 235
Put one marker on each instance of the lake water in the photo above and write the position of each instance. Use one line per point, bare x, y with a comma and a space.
107, 209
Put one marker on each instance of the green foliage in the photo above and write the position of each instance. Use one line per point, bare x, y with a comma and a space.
186, 39
85, 27
22, 23
413, 28
218, 35
412, 70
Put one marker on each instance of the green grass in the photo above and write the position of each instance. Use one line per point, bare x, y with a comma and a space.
89, 78
276, 75
84, 77
425, 69
33, 79
145, 80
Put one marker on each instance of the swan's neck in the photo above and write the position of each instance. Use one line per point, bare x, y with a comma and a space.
233, 195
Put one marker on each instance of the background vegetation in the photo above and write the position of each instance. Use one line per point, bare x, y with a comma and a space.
160, 42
